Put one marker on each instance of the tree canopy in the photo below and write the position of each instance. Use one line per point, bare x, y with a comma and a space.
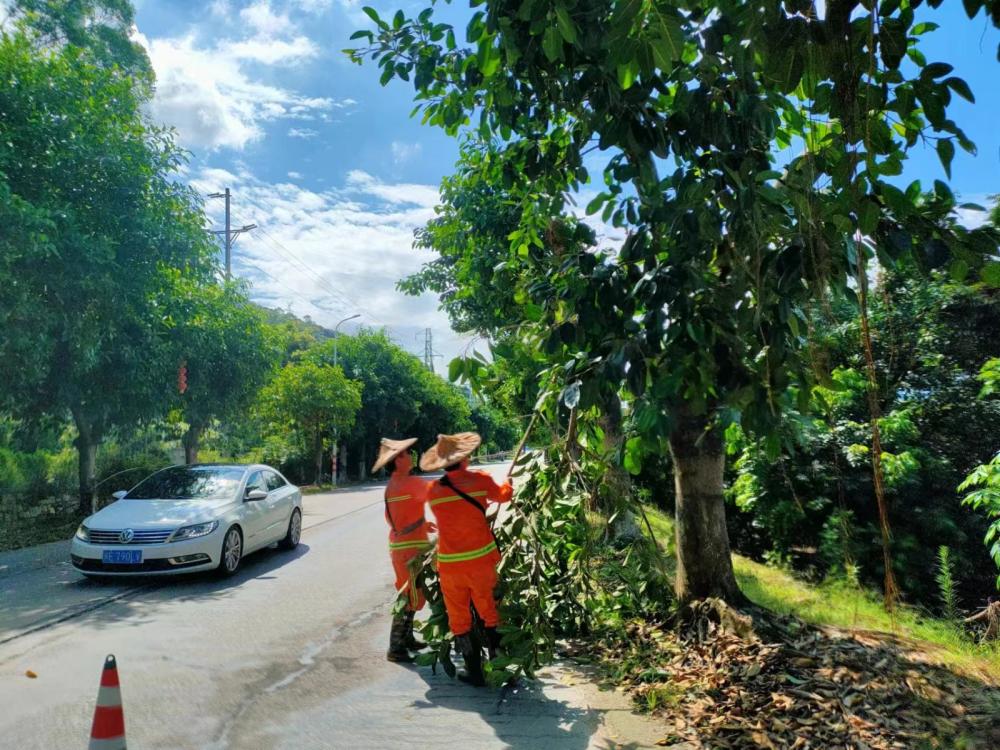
699, 319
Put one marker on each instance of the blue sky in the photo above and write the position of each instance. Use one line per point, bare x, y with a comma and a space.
338, 176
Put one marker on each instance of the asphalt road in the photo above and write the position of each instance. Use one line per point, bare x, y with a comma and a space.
287, 654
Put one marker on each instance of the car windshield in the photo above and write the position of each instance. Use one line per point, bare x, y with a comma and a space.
188, 483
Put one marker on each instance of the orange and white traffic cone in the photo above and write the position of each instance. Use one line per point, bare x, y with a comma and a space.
108, 731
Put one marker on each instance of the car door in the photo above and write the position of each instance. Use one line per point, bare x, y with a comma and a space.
256, 520
279, 502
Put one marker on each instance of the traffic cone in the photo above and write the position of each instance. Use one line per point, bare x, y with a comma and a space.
108, 731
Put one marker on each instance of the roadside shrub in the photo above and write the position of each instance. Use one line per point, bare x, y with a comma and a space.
23, 474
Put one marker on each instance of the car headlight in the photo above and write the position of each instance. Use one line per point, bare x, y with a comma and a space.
192, 532
83, 533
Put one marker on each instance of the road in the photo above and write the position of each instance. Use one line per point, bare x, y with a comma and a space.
287, 654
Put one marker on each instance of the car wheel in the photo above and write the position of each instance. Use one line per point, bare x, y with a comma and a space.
232, 552
291, 540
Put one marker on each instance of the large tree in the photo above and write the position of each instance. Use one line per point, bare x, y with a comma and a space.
313, 401
95, 226
227, 352
699, 316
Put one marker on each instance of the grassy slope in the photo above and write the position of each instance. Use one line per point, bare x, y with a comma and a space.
841, 605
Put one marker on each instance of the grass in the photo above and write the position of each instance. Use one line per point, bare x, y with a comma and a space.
840, 604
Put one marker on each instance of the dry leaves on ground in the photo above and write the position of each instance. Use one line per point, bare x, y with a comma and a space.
813, 689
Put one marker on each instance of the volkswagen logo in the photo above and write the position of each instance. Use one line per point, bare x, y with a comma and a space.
126, 536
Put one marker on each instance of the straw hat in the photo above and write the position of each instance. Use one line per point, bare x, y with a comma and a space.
449, 449
389, 449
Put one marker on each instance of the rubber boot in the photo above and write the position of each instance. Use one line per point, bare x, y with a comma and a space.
410, 641
468, 646
397, 640
493, 639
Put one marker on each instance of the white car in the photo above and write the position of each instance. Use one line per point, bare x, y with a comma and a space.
189, 518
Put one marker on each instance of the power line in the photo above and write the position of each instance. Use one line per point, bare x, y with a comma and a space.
327, 283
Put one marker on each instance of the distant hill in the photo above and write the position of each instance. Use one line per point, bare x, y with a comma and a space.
305, 324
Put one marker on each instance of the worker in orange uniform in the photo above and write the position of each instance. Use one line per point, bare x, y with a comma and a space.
408, 528
467, 550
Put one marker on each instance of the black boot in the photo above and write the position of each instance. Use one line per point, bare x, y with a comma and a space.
397, 640
468, 645
493, 639
410, 640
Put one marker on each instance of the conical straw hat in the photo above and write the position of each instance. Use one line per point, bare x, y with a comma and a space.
450, 449
389, 449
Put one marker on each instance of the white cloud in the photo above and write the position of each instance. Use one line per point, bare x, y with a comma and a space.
271, 51
221, 8
212, 92
404, 152
335, 252
303, 133
261, 17
206, 93
359, 181
296, 175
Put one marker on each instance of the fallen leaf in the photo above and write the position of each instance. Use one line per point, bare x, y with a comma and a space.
30, 675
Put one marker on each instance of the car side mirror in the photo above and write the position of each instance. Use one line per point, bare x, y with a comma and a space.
119, 494
256, 494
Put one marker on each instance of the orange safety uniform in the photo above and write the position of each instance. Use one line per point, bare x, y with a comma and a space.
404, 512
467, 551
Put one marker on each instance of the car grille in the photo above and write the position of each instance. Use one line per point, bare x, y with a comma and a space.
149, 566
142, 536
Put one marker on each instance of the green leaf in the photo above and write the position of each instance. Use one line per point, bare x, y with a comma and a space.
566, 26
373, 14
868, 216
892, 42
596, 203
959, 270
937, 69
961, 88
552, 44
991, 274
633, 456
667, 39
626, 76
946, 152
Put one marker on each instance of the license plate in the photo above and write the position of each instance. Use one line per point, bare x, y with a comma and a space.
122, 556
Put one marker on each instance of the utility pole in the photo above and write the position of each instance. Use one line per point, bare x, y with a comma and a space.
229, 234
336, 437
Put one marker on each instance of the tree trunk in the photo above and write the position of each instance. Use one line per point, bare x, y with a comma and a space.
704, 561
87, 441
318, 453
191, 442
617, 490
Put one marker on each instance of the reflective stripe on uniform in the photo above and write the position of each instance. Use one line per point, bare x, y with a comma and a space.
471, 555
415, 544
398, 498
453, 498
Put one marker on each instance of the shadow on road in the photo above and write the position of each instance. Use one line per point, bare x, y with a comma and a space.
524, 716
104, 601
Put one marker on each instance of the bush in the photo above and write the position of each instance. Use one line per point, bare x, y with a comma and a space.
24, 474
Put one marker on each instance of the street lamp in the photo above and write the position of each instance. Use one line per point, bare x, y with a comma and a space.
352, 317
333, 453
